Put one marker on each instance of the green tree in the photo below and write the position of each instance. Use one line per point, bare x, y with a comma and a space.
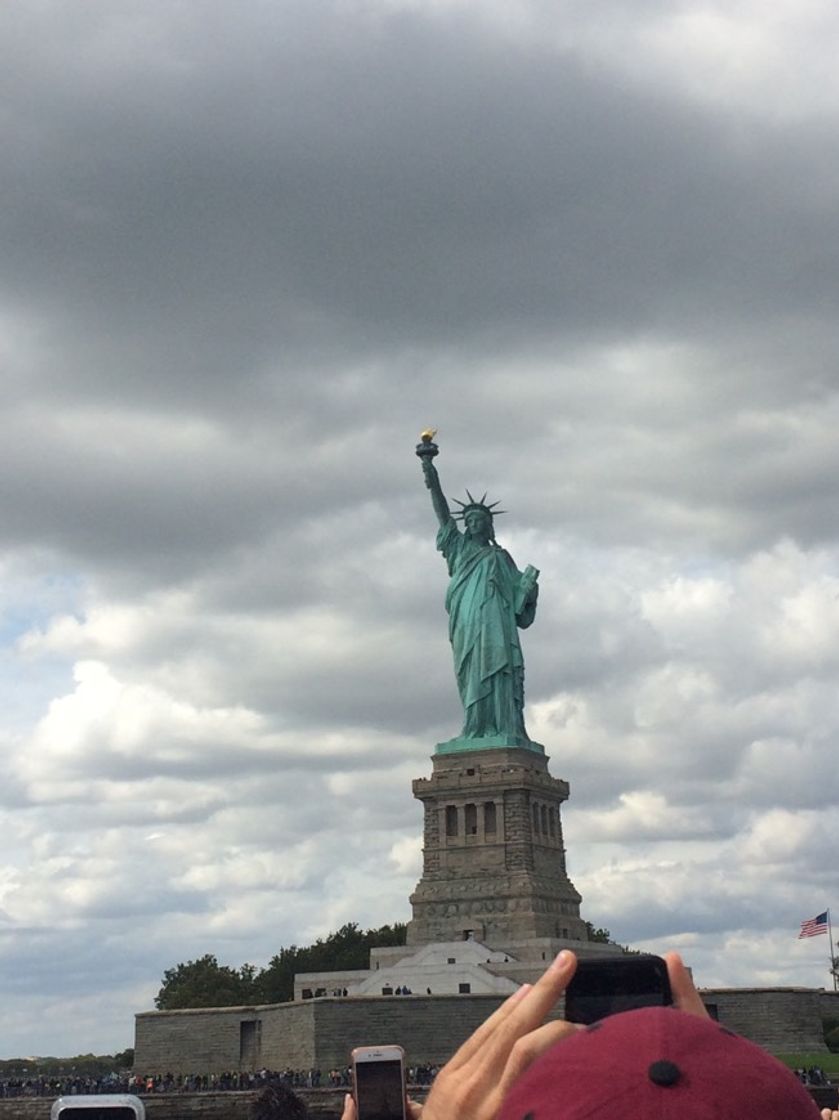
276, 982
346, 949
205, 983
600, 934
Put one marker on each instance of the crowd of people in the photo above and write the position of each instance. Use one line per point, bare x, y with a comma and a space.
419, 1075
813, 1075
46, 1085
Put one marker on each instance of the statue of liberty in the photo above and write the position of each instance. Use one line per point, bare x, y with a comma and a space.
488, 601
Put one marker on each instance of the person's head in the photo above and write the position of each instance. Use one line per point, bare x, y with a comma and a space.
657, 1062
277, 1102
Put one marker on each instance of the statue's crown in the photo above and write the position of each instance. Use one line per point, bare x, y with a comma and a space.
465, 507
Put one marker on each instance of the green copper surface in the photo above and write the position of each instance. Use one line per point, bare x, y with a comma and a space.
488, 601
485, 742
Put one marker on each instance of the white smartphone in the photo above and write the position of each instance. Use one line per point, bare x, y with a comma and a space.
379, 1082
107, 1106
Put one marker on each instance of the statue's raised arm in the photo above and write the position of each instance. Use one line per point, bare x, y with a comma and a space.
426, 450
488, 600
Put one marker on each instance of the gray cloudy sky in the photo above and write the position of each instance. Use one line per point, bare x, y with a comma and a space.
248, 252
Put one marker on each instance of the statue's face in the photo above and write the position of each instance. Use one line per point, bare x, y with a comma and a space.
478, 525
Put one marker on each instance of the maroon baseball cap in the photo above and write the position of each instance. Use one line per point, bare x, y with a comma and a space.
657, 1063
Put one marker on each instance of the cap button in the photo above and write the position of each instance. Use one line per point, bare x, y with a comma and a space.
664, 1073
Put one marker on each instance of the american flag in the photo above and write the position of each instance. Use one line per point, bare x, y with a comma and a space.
812, 927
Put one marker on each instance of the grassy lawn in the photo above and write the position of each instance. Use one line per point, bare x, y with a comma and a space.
828, 1062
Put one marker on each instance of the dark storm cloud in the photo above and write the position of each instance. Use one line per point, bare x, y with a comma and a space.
220, 201
253, 209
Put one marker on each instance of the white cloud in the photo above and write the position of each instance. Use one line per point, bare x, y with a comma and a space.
744, 54
406, 854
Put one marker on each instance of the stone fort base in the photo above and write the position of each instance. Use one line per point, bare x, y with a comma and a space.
310, 1034
319, 1033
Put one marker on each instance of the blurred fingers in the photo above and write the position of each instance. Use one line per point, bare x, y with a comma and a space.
685, 995
530, 1012
349, 1112
476, 1041
531, 1046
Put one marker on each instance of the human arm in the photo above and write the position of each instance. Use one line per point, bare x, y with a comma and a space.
685, 995
474, 1083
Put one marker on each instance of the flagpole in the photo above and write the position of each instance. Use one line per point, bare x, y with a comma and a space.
832, 948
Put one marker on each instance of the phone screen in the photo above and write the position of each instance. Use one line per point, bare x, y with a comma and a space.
96, 1112
607, 986
379, 1090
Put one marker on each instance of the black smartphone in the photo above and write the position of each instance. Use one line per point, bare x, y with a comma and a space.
604, 986
379, 1082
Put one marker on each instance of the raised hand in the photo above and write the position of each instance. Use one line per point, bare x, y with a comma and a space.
473, 1084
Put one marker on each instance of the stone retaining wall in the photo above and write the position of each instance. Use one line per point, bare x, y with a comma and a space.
783, 1020
430, 1028
312, 1034
830, 1005
320, 1033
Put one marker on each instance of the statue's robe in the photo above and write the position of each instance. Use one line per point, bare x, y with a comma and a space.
483, 629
